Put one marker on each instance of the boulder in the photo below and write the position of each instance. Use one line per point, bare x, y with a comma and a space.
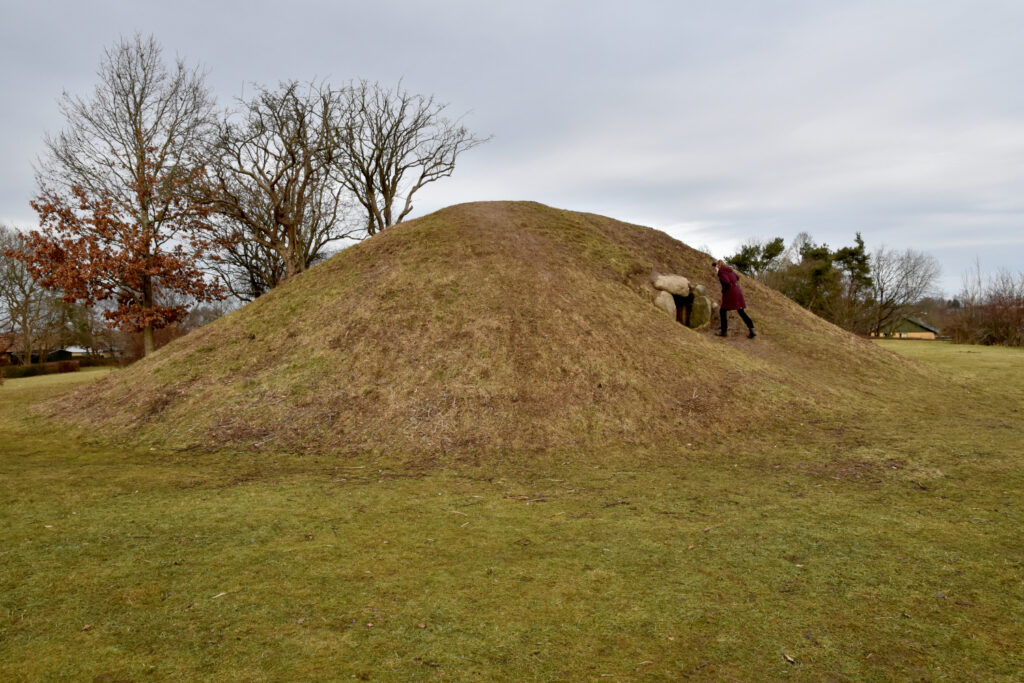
698, 290
700, 313
673, 284
665, 302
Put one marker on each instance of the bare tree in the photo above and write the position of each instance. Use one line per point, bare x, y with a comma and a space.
898, 281
6, 320
1004, 308
392, 143
26, 308
273, 186
989, 310
135, 147
247, 268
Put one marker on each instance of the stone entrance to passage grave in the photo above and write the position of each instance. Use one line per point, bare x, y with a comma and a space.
688, 305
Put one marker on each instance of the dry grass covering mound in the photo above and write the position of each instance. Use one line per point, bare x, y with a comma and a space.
485, 328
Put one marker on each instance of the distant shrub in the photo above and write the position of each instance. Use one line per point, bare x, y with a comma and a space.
88, 362
989, 311
19, 371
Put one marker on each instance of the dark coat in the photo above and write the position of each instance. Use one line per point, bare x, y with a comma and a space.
732, 295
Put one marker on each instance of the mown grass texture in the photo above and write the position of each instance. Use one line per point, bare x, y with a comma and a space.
883, 548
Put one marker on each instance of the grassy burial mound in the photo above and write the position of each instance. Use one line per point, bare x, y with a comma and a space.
485, 328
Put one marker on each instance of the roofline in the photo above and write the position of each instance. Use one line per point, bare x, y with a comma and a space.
921, 324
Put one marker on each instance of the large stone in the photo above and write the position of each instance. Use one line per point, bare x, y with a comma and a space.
700, 313
665, 302
698, 290
673, 284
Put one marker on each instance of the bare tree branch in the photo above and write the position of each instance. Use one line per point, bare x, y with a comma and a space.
391, 144
273, 188
899, 280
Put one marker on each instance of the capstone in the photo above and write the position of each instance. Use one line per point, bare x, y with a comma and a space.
673, 284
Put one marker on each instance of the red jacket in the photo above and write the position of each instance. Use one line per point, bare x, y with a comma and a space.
732, 295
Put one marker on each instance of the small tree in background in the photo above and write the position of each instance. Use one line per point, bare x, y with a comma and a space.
756, 258
808, 275
26, 307
1004, 308
851, 306
899, 280
988, 310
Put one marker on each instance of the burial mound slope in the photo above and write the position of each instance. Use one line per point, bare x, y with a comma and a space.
498, 327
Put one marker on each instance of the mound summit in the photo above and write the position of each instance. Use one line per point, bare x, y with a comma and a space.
484, 328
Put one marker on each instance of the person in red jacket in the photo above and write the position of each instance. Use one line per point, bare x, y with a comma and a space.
732, 298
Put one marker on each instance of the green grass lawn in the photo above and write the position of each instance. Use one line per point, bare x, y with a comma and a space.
885, 547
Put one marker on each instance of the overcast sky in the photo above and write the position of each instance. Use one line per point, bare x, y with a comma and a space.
715, 122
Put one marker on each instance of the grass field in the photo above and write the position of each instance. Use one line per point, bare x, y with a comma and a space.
888, 547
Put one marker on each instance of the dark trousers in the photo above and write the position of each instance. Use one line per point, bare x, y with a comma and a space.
743, 315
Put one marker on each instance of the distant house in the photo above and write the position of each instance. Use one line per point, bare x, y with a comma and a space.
910, 328
69, 352
78, 353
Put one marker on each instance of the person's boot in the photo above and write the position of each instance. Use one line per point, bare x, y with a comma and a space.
752, 334
722, 333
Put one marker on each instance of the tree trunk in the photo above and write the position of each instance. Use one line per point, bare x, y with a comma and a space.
148, 345
26, 340
290, 260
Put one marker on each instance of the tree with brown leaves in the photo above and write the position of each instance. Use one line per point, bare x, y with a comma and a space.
92, 252
120, 219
